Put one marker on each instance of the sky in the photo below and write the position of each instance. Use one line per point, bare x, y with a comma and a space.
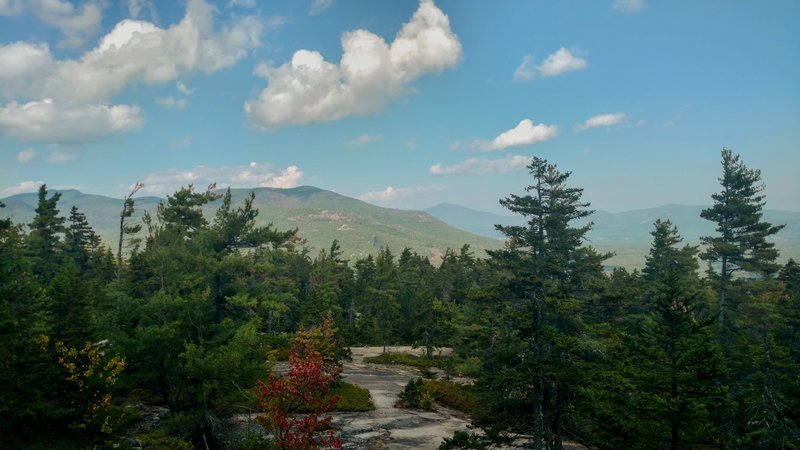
403, 103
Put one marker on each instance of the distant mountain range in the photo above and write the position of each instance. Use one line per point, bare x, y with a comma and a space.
627, 233
361, 228
321, 216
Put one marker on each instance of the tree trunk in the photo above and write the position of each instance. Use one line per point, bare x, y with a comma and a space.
538, 431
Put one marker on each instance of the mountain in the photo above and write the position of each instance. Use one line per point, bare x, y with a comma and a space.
627, 234
319, 215
474, 221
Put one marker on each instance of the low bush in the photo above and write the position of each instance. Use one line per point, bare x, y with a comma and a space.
160, 441
415, 395
461, 397
351, 397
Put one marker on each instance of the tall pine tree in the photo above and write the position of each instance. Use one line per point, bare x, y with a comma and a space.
740, 244
532, 373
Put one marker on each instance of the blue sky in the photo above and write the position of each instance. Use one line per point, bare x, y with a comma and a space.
401, 103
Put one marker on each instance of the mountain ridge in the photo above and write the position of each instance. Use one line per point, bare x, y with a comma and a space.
320, 216
627, 233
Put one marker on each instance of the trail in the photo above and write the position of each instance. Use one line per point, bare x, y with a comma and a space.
389, 427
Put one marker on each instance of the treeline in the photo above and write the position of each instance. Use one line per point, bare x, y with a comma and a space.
560, 349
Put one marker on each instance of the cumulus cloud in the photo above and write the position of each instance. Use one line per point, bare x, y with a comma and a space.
483, 166
171, 102
76, 24
628, 6
49, 122
26, 156
525, 133
318, 6
390, 193
364, 139
370, 72
243, 176
603, 120
21, 187
560, 62
134, 51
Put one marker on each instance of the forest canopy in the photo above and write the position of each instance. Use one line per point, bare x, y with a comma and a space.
699, 349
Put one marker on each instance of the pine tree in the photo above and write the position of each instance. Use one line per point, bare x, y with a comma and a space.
80, 240
46, 230
676, 359
532, 372
741, 241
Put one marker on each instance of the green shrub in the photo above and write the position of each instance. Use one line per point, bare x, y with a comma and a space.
351, 397
161, 441
461, 397
415, 395
464, 440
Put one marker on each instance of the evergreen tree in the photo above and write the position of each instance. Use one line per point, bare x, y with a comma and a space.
45, 235
81, 243
741, 241
676, 359
532, 372
4, 223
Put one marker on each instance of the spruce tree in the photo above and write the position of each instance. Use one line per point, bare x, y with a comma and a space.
741, 242
80, 240
675, 356
532, 372
45, 235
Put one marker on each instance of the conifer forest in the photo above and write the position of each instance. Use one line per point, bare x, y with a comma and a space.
196, 316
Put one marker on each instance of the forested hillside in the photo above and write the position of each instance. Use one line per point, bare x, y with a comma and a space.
699, 349
320, 216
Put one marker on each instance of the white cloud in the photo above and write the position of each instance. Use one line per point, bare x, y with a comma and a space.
525, 133
22, 68
482, 166
603, 120
26, 156
628, 6
391, 194
172, 102
77, 24
560, 62
60, 156
22, 187
310, 89
527, 70
245, 176
46, 121
134, 51
183, 88
364, 139
318, 6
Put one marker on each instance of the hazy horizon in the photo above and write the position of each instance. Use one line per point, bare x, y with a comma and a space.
500, 211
